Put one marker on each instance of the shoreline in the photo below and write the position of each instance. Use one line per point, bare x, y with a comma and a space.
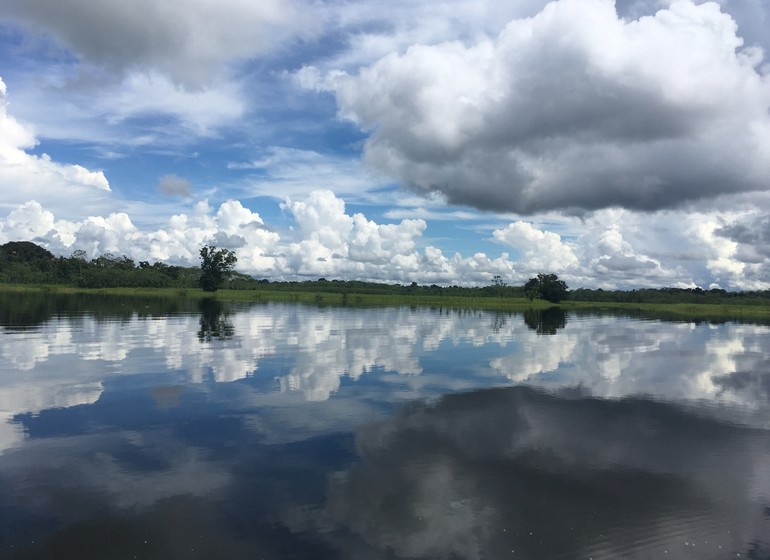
681, 311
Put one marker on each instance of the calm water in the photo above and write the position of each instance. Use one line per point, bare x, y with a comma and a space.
174, 429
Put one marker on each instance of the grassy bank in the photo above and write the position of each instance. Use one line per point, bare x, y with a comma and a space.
324, 298
680, 311
689, 311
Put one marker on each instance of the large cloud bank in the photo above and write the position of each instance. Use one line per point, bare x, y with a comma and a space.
574, 108
327, 242
614, 249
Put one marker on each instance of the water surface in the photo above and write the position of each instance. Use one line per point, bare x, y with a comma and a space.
178, 429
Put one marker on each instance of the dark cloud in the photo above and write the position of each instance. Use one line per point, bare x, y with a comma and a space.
573, 109
222, 239
152, 496
634, 9
749, 231
482, 474
174, 185
755, 384
625, 263
191, 42
752, 236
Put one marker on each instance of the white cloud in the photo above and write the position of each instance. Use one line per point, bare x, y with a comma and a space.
541, 250
178, 241
24, 176
620, 248
335, 244
322, 216
28, 221
98, 235
573, 108
611, 249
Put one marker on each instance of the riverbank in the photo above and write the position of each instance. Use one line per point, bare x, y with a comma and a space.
681, 311
326, 297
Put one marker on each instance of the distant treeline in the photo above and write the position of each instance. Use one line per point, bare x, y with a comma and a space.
672, 295
24, 262
381, 288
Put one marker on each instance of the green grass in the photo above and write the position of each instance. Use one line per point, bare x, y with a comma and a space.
695, 311
329, 298
138, 292
718, 312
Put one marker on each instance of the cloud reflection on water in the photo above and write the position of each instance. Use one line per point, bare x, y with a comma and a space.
298, 433
66, 361
478, 475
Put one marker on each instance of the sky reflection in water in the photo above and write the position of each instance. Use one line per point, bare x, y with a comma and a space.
282, 430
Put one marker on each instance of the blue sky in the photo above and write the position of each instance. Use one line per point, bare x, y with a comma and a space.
618, 144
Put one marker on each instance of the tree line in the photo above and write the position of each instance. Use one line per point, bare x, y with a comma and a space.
24, 262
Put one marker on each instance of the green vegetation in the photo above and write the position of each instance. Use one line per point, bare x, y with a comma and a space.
669, 311
547, 287
26, 266
23, 262
216, 266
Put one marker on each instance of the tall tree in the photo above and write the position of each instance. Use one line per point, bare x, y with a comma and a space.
216, 265
547, 287
532, 288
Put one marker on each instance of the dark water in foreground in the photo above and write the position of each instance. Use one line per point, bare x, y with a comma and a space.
143, 430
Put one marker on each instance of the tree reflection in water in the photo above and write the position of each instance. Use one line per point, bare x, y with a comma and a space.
498, 321
214, 321
545, 321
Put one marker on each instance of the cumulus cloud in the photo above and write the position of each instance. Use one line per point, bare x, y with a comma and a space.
608, 254
753, 17
612, 249
177, 241
541, 250
335, 244
574, 108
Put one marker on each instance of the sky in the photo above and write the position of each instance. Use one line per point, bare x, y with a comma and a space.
619, 145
